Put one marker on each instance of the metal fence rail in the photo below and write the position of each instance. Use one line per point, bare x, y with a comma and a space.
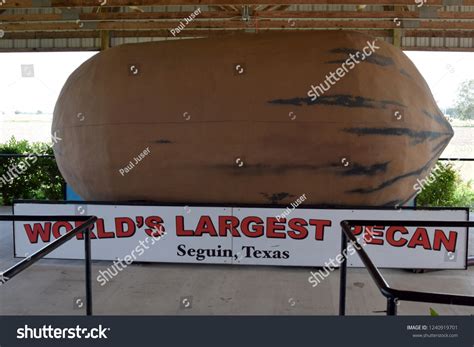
393, 295
6, 155
84, 228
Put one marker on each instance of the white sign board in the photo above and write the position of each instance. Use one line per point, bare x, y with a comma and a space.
250, 236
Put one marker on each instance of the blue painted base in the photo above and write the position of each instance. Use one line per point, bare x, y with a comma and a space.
71, 195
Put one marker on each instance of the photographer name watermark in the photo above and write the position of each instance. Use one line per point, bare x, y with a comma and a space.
136, 160
294, 205
186, 20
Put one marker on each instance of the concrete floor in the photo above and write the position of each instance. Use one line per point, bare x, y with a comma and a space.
57, 287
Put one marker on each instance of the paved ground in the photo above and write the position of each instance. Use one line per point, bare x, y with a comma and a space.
53, 287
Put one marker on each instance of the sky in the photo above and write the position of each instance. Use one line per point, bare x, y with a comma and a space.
30, 94
443, 71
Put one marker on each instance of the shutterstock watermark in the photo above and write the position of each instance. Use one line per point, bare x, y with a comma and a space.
435, 172
350, 63
16, 170
120, 265
3, 279
319, 276
49, 332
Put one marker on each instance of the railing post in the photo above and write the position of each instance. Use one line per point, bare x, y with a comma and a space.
87, 249
392, 306
343, 275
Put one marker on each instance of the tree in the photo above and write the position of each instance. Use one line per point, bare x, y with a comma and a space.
451, 111
446, 188
465, 100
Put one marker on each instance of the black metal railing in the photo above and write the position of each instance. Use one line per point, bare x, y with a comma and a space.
393, 295
456, 159
85, 228
16, 155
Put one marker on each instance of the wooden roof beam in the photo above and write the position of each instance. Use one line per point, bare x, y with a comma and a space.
119, 3
235, 24
441, 15
199, 33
